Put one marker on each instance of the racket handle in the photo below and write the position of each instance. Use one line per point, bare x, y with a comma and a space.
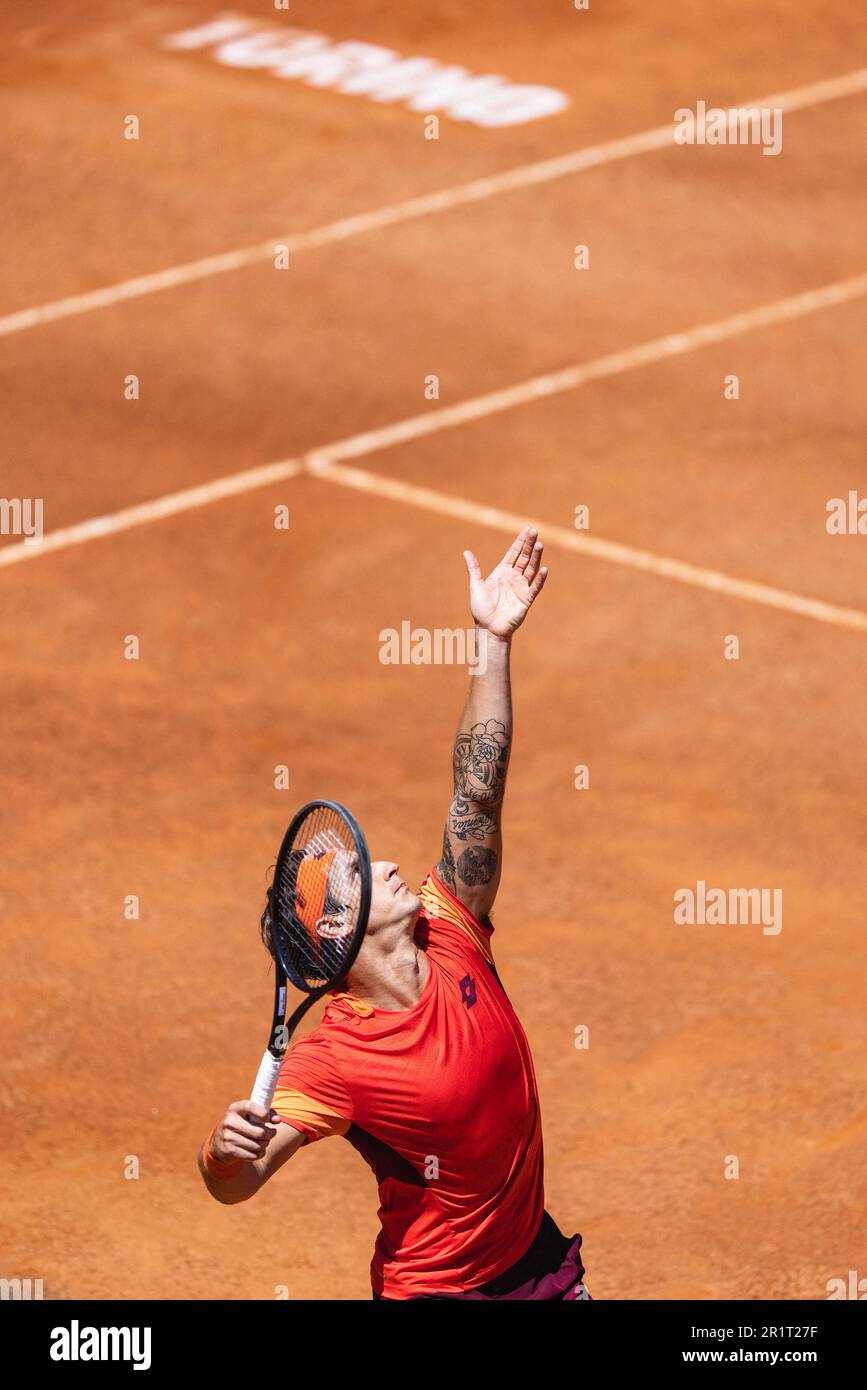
266, 1080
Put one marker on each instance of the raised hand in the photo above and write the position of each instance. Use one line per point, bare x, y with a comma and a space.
500, 603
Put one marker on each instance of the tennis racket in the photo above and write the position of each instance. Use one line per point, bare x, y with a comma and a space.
315, 920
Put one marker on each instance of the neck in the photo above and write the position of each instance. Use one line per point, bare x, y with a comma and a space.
391, 971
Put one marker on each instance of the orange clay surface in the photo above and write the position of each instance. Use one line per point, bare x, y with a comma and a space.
259, 647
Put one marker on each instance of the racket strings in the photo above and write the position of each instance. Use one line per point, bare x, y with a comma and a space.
316, 900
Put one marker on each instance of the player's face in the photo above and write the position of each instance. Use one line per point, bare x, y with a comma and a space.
339, 911
342, 895
391, 902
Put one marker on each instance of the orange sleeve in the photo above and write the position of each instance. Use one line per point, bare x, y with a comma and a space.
307, 1114
311, 1095
439, 905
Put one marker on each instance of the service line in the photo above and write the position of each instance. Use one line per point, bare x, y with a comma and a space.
523, 176
326, 462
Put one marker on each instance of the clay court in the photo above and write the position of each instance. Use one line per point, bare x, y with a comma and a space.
559, 388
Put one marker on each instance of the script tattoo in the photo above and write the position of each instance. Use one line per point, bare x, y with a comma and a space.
465, 825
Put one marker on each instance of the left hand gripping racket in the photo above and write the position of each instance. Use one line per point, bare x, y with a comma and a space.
315, 921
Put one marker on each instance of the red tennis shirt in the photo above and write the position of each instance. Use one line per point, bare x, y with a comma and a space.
441, 1101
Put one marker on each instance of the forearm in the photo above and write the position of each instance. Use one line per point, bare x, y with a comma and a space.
472, 843
490, 691
243, 1151
228, 1187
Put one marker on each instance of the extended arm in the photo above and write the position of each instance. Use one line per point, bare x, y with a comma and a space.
472, 841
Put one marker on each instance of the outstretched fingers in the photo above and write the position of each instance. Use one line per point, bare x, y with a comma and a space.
473, 567
534, 562
515, 550
538, 583
524, 557
529, 536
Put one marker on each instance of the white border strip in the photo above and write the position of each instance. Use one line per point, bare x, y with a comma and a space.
447, 417
170, 505
523, 176
568, 378
323, 463
498, 520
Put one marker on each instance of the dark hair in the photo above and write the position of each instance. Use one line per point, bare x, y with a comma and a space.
290, 875
265, 925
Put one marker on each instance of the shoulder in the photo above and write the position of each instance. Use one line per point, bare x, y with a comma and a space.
445, 920
311, 1069
314, 1049
311, 1093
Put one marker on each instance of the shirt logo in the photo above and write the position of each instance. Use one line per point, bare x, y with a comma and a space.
468, 991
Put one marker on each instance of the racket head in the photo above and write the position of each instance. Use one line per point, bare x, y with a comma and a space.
319, 901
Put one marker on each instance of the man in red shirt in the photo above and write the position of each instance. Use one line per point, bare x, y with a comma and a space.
421, 1063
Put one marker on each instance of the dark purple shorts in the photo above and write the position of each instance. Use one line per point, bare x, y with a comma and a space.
550, 1270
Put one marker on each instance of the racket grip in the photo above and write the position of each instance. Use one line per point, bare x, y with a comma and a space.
266, 1080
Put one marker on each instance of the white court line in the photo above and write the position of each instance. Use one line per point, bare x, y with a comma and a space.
156, 510
447, 417
553, 383
523, 176
323, 463
510, 522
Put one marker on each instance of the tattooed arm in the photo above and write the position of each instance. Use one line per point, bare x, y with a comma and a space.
472, 842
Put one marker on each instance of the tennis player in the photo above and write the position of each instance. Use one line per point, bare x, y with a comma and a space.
420, 1062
